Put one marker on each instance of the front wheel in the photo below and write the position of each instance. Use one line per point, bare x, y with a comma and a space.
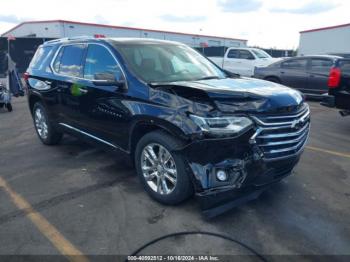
161, 170
44, 128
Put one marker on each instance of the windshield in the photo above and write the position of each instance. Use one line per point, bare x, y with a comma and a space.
260, 53
156, 63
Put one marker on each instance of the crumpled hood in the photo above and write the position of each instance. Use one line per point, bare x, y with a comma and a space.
247, 95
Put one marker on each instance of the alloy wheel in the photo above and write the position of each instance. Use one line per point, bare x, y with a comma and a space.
41, 123
158, 168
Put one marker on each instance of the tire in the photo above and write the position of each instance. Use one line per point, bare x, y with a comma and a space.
273, 79
2, 105
181, 187
44, 127
9, 107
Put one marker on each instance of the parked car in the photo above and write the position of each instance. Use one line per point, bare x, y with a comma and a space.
339, 87
242, 61
309, 74
184, 123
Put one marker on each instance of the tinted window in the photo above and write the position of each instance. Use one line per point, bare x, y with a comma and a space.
100, 61
68, 61
321, 65
244, 54
41, 57
233, 54
297, 64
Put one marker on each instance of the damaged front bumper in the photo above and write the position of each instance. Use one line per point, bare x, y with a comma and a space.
248, 174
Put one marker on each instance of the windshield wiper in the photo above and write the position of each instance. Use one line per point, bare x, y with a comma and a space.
208, 78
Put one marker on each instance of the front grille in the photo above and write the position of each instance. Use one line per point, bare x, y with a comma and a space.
282, 136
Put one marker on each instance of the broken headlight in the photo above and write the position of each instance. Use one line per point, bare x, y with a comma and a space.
222, 126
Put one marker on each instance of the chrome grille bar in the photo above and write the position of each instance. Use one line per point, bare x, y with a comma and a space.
282, 136
303, 116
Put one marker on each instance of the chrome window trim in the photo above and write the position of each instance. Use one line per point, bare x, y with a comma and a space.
92, 136
83, 63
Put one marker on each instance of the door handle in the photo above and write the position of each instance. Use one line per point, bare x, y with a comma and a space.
282, 72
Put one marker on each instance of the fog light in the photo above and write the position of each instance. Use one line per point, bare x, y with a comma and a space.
221, 175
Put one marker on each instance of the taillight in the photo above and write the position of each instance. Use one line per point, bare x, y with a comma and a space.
334, 77
26, 76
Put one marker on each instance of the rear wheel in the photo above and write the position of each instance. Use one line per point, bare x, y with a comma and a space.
161, 170
44, 128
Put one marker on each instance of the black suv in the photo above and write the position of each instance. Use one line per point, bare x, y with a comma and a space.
187, 125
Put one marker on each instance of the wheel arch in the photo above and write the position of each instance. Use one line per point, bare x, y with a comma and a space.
141, 128
33, 98
270, 77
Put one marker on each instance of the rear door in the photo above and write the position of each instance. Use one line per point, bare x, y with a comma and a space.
68, 70
293, 73
319, 69
232, 62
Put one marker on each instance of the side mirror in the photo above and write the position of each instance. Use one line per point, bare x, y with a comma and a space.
108, 79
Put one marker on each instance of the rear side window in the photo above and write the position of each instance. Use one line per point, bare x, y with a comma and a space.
321, 65
41, 57
69, 60
296, 64
233, 54
100, 61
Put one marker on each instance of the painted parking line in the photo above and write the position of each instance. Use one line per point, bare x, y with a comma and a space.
335, 153
49, 231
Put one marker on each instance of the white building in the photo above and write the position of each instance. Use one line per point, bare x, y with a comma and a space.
334, 39
63, 28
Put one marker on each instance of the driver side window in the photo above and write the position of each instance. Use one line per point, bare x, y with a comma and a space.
244, 54
99, 62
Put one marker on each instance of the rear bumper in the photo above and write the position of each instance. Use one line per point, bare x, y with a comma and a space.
328, 101
339, 100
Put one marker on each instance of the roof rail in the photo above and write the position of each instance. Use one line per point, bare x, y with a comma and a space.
68, 38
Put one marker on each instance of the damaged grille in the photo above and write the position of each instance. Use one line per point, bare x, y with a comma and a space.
282, 136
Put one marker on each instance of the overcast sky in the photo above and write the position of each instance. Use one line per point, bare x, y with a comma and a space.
265, 23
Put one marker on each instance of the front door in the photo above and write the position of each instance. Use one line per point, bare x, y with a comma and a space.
68, 72
101, 105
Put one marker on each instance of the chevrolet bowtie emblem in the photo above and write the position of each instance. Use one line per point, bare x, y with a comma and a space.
298, 123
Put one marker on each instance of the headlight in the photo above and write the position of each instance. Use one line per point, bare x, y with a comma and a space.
222, 126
